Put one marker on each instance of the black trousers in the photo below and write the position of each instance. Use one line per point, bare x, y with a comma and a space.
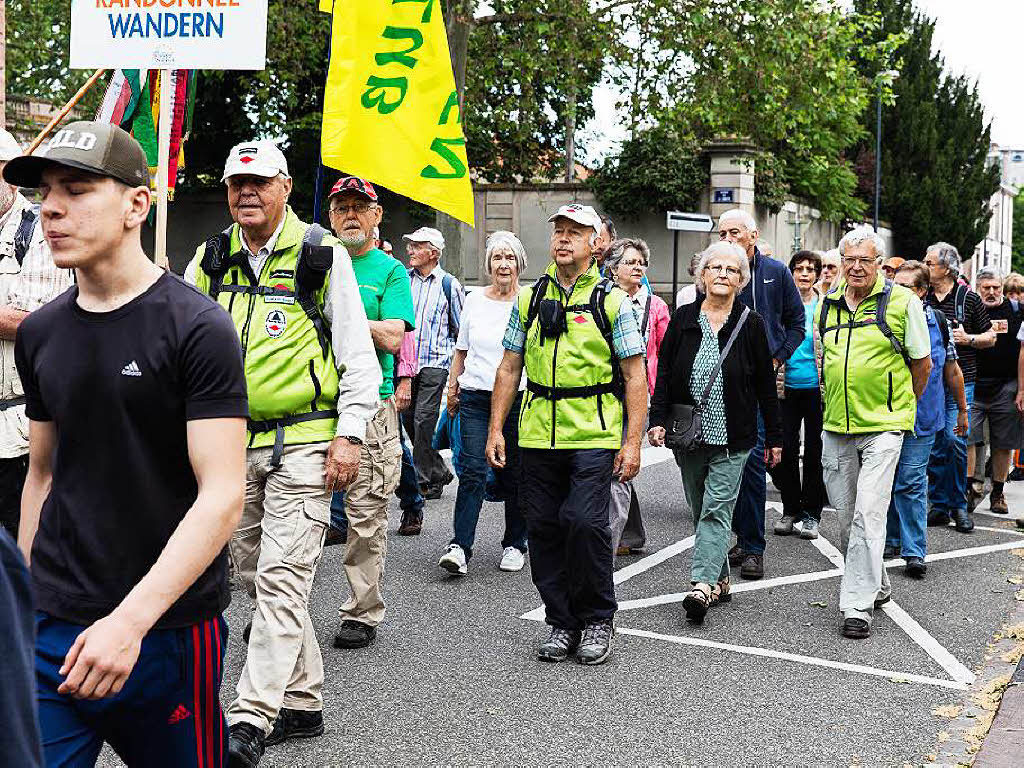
420, 420
564, 498
12, 481
800, 500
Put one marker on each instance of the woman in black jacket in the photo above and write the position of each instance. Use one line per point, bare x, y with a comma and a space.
712, 472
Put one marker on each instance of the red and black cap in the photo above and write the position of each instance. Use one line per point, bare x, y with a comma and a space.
354, 184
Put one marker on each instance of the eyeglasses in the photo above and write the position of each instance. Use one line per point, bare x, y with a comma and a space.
723, 269
633, 263
865, 262
355, 207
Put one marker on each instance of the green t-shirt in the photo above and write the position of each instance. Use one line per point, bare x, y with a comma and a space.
384, 287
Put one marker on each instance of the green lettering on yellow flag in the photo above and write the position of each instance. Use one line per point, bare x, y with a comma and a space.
391, 113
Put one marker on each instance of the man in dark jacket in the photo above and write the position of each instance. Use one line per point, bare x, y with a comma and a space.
771, 293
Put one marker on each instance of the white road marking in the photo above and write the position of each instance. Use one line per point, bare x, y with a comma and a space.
813, 661
931, 646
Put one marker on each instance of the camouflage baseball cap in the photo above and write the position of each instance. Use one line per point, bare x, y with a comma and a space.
100, 148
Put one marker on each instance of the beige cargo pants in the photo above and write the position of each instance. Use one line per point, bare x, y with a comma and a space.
275, 552
366, 505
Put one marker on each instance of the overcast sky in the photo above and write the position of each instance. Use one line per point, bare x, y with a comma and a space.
981, 38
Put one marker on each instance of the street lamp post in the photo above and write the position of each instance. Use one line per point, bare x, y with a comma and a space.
892, 74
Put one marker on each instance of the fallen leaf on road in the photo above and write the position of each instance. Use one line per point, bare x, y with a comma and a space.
950, 710
819, 604
1015, 580
900, 680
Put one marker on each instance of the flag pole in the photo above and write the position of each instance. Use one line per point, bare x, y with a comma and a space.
163, 164
64, 111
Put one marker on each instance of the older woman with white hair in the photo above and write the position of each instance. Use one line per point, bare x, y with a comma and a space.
715, 371
478, 351
829, 270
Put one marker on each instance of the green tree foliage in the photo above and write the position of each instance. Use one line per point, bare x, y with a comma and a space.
1017, 259
779, 72
656, 170
936, 183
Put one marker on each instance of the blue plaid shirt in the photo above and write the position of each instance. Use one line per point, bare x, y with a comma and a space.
435, 340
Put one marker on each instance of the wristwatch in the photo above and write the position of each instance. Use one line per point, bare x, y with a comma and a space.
352, 439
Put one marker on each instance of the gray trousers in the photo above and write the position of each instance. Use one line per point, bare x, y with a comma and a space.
420, 421
624, 517
859, 471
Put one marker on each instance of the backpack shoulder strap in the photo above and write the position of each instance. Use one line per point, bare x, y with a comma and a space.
647, 317
311, 268
882, 321
538, 292
943, 323
23, 235
600, 312
960, 303
216, 260
453, 323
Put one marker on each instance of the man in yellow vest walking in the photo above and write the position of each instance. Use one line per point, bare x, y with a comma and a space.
291, 292
578, 337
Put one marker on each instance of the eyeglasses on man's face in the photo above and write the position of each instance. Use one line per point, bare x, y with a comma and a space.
359, 208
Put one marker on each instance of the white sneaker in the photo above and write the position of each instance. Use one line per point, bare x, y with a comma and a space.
512, 560
454, 560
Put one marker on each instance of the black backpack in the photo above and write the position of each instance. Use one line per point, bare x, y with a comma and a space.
311, 268
880, 320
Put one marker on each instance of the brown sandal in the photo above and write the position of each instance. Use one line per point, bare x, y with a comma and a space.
722, 592
697, 602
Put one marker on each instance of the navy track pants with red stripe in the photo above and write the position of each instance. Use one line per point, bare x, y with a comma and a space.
167, 714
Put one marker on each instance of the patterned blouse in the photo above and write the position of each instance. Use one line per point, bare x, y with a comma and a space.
713, 423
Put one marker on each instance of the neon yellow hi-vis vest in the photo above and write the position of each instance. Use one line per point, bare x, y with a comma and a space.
552, 417
288, 371
867, 383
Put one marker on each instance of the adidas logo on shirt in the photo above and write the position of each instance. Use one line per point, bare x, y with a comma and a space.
132, 369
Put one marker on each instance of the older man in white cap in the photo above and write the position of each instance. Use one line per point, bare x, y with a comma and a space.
28, 279
578, 339
291, 291
437, 297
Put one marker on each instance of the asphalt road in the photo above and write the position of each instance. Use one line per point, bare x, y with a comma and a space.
768, 680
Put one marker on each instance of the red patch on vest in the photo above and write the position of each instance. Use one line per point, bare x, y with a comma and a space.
579, 319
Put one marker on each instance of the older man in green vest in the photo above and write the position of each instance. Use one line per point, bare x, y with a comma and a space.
578, 337
291, 291
876, 360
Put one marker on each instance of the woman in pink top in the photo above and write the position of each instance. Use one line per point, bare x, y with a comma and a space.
627, 262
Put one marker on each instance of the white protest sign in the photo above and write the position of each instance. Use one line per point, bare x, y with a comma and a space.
169, 34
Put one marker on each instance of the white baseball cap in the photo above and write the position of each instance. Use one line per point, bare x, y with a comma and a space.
426, 235
256, 158
9, 147
581, 214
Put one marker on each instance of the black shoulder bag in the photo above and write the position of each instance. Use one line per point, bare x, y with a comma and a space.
685, 431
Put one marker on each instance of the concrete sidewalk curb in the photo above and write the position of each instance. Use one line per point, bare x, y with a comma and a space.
1004, 745
988, 729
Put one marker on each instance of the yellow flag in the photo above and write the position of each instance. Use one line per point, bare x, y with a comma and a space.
391, 113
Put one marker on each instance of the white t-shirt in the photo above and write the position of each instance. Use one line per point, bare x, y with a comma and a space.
481, 330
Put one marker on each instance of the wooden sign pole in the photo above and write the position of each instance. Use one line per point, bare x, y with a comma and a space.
163, 163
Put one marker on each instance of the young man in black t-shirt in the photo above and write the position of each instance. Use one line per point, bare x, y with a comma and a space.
136, 402
971, 331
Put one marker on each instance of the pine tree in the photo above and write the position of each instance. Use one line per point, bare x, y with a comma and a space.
936, 184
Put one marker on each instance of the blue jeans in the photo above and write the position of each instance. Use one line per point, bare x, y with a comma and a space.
947, 471
748, 517
474, 415
908, 508
408, 491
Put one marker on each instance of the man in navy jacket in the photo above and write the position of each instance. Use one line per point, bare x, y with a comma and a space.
771, 293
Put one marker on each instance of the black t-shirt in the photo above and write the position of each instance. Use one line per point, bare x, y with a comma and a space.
1000, 362
975, 321
120, 387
